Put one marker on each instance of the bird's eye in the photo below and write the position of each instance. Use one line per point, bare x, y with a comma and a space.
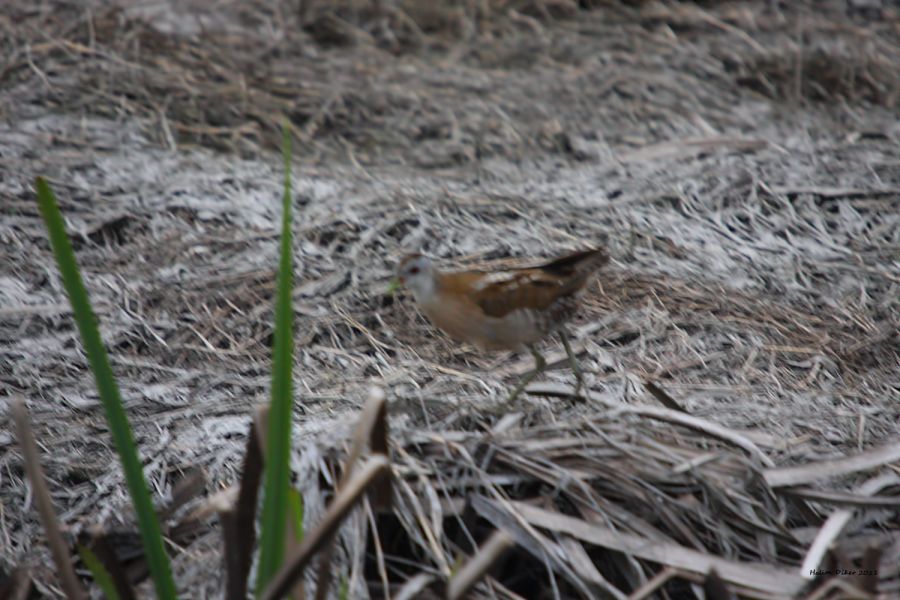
414, 270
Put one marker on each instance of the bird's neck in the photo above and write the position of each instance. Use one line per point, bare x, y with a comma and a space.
425, 290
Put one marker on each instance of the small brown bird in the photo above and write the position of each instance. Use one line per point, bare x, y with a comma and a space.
504, 310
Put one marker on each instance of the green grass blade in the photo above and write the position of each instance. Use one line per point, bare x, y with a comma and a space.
101, 576
109, 393
295, 513
344, 588
278, 442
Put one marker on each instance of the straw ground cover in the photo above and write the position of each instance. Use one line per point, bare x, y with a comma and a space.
740, 160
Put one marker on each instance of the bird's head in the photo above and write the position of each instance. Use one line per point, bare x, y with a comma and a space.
416, 273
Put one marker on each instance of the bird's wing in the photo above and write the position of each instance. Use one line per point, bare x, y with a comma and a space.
537, 288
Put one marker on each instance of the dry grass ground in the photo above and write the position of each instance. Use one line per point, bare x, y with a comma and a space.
741, 160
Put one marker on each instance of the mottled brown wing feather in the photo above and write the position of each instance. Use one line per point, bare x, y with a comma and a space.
536, 288
527, 290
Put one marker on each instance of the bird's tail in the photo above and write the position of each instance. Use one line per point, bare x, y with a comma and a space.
581, 263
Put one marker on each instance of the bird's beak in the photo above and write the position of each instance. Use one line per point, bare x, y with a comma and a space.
394, 285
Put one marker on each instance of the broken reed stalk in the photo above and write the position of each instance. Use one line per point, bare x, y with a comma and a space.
104, 552
239, 519
415, 586
476, 568
373, 419
102, 576
186, 489
17, 585
281, 584
58, 547
715, 588
380, 494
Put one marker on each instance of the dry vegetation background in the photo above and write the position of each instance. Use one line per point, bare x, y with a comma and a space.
741, 160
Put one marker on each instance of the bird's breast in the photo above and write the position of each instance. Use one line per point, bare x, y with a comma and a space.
466, 322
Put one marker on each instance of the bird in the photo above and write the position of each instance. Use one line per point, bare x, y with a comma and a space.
508, 309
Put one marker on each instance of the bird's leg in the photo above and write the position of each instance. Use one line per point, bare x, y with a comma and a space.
573, 362
539, 365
